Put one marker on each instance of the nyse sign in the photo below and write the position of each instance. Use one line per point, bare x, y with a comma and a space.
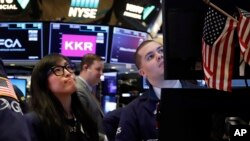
83, 8
82, 12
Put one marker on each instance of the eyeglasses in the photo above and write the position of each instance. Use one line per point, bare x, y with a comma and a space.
59, 70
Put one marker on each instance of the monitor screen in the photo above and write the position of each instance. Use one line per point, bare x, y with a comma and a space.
145, 84
21, 43
124, 44
109, 103
109, 83
75, 40
200, 114
20, 83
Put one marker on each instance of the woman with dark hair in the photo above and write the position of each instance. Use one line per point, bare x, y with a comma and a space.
57, 114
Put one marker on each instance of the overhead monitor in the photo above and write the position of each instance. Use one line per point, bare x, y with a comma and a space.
109, 82
145, 83
124, 44
75, 40
109, 103
21, 43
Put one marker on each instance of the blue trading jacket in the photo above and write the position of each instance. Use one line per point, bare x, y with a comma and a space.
13, 126
138, 119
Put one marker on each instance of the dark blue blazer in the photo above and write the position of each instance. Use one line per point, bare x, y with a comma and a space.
13, 126
138, 118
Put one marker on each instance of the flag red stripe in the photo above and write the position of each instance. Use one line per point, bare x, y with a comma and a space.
247, 55
7, 90
243, 32
244, 35
219, 59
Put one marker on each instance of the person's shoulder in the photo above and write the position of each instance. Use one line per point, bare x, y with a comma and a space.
31, 117
138, 101
78, 81
189, 84
114, 115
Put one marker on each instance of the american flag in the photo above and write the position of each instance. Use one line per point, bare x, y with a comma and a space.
218, 50
243, 30
6, 88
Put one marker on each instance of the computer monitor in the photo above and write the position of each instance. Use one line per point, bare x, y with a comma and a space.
109, 103
124, 44
75, 40
145, 83
21, 43
21, 84
199, 114
109, 83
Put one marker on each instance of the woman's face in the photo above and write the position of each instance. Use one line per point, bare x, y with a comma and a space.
61, 79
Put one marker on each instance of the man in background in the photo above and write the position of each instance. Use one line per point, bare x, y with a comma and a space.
91, 69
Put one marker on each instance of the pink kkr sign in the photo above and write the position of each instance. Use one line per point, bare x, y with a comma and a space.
78, 45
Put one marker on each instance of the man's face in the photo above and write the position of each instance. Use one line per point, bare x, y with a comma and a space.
152, 63
95, 71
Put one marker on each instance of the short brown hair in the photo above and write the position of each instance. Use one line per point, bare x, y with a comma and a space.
88, 59
137, 56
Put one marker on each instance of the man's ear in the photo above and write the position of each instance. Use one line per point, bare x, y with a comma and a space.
141, 72
85, 67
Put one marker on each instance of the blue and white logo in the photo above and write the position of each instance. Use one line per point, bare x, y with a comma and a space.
85, 3
83, 8
23, 3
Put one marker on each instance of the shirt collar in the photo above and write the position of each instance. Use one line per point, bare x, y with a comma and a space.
169, 84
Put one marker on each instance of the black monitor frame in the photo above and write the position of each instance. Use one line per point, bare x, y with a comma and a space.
124, 43
110, 83
21, 42
199, 114
79, 37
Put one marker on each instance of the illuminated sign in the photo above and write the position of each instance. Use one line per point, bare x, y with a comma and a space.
83, 8
12, 5
133, 11
78, 45
9, 43
23, 3
137, 12
147, 11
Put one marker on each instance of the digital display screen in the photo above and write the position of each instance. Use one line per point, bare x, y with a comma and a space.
21, 42
145, 83
20, 83
75, 40
124, 44
109, 103
109, 86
